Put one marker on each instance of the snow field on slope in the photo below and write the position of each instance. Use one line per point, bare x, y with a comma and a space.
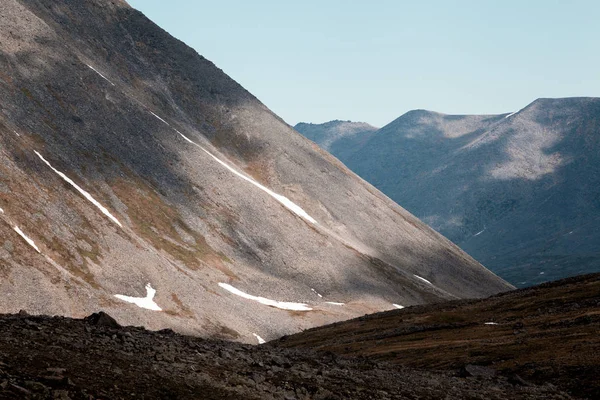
80, 190
142, 302
260, 340
26, 238
423, 279
284, 305
102, 76
287, 203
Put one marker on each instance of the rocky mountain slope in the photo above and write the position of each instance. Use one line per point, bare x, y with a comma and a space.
544, 346
519, 192
136, 177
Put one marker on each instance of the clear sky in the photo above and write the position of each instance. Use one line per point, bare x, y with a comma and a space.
373, 60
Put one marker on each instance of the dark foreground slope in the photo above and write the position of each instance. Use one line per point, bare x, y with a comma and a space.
519, 192
547, 333
132, 166
545, 345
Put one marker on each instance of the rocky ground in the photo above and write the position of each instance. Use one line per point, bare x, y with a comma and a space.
536, 343
62, 358
547, 333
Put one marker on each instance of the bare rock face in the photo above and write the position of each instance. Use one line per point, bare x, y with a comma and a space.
520, 192
102, 319
136, 177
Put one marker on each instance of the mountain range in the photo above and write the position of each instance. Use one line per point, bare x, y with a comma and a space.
520, 192
138, 178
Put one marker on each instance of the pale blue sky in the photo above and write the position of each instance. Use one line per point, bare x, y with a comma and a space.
314, 61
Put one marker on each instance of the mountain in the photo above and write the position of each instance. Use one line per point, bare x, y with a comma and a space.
534, 343
333, 135
519, 192
138, 178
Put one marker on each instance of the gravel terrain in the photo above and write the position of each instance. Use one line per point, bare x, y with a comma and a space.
544, 334
94, 358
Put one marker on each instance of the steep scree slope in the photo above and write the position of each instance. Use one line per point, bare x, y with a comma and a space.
137, 177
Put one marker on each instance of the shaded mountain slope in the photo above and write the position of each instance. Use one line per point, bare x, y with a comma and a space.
546, 333
132, 166
519, 192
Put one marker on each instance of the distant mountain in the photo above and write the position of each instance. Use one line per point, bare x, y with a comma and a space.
138, 178
520, 192
333, 135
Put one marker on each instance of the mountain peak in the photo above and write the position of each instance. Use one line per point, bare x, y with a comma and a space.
328, 133
138, 178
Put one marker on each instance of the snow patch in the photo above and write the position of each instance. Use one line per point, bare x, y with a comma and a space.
1, 210
27, 239
479, 233
159, 118
142, 302
490, 323
102, 76
511, 114
542, 273
284, 305
260, 340
80, 190
317, 293
16, 133
290, 205
423, 279
398, 306
333, 303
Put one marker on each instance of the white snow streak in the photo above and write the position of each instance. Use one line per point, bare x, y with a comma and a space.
142, 302
479, 233
491, 323
333, 303
296, 209
103, 77
260, 340
80, 190
160, 119
1, 210
16, 133
511, 114
268, 302
398, 306
28, 240
423, 279
317, 293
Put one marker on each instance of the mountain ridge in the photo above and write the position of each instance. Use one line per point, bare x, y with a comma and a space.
139, 178
462, 174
